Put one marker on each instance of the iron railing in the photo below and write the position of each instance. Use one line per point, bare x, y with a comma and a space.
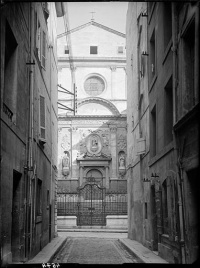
115, 203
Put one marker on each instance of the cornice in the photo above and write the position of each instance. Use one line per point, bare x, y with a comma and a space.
92, 59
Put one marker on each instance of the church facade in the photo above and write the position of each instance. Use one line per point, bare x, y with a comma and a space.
92, 138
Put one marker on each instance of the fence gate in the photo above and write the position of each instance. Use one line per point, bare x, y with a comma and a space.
91, 205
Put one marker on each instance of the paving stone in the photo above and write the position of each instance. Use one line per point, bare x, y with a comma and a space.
93, 251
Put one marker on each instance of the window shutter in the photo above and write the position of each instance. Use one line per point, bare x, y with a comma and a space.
42, 119
43, 49
38, 43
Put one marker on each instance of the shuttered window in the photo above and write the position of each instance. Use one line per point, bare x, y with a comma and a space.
38, 41
42, 118
43, 51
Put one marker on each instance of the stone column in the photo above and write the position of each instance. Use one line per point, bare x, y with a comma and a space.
107, 179
81, 176
113, 81
113, 149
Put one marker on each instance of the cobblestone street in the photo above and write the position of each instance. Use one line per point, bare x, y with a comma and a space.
93, 250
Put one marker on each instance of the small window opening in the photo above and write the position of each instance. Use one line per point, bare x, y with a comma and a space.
93, 49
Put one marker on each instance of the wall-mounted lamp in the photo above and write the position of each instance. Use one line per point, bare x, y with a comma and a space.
154, 176
144, 14
146, 180
144, 53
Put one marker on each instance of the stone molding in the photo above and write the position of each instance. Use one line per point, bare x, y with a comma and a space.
101, 101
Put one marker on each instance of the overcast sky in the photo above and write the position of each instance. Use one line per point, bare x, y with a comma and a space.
110, 14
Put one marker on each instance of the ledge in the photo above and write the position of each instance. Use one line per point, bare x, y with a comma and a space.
163, 152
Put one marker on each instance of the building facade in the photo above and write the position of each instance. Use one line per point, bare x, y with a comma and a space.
28, 127
162, 160
91, 63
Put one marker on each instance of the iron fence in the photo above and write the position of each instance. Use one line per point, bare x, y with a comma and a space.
115, 203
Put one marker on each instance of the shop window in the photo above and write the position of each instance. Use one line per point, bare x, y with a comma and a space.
93, 50
167, 23
153, 131
168, 126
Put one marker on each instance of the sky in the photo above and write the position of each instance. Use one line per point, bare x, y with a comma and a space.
110, 14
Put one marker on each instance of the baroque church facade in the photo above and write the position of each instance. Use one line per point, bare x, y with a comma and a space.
92, 138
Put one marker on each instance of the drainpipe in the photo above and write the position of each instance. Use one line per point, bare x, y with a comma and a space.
50, 190
29, 150
179, 174
138, 74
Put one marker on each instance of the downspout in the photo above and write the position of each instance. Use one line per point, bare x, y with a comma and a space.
50, 190
138, 74
32, 169
179, 174
29, 151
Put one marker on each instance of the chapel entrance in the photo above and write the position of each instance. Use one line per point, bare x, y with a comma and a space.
96, 174
91, 204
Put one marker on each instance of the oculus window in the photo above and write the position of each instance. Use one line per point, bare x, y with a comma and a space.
94, 86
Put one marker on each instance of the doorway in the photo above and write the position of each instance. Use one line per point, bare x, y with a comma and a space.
97, 175
91, 205
192, 215
154, 219
15, 231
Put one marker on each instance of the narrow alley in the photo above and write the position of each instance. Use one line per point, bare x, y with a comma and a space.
99, 129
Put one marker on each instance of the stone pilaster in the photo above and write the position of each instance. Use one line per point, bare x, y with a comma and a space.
74, 152
113, 150
81, 176
113, 81
107, 178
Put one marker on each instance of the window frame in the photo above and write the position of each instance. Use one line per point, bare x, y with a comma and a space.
96, 50
40, 126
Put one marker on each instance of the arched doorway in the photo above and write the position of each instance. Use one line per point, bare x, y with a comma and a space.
96, 174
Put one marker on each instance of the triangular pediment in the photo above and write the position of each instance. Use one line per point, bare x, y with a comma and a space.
94, 24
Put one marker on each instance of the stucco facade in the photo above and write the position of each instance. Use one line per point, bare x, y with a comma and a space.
162, 93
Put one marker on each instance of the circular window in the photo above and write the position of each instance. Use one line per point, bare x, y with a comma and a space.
94, 86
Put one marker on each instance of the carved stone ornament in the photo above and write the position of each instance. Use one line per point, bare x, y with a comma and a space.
94, 145
66, 164
113, 129
122, 164
121, 143
65, 143
103, 138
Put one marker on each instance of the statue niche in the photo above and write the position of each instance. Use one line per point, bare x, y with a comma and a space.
66, 164
122, 164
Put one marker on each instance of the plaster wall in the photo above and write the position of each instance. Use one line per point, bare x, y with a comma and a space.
91, 35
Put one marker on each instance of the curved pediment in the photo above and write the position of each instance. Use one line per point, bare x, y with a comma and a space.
96, 106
